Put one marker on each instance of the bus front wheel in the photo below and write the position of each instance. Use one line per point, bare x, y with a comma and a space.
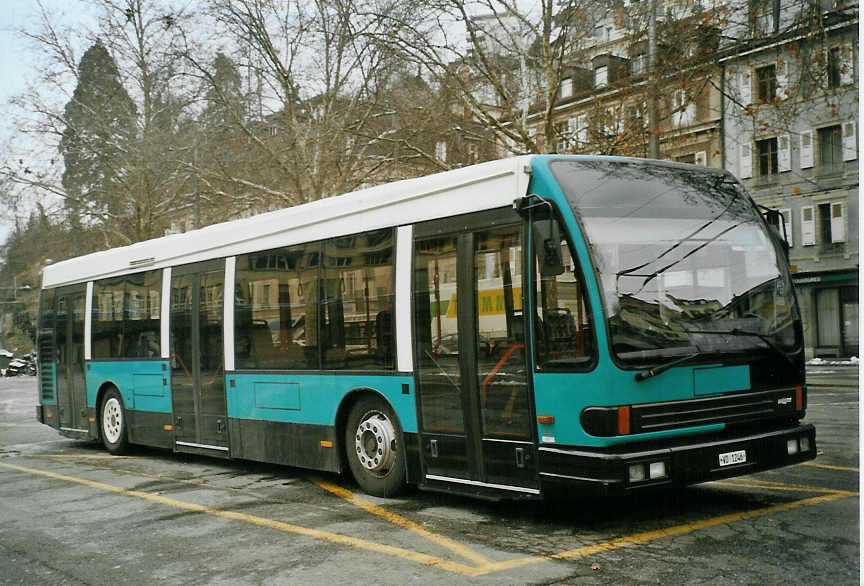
374, 447
112, 422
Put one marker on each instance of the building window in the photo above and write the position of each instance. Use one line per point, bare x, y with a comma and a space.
601, 76
638, 64
441, 150
766, 78
832, 223
767, 156
562, 130
566, 90
764, 17
835, 66
830, 147
683, 109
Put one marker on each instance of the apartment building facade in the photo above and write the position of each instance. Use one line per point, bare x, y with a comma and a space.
790, 121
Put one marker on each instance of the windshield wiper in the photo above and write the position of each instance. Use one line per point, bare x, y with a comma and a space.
651, 372
739, 332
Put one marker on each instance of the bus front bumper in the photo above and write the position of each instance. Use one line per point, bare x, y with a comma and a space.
622, 469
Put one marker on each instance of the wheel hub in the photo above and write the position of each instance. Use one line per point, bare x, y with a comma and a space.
111, 420
375, 443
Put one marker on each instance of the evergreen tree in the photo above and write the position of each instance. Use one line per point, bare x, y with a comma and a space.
100, 125
226, 105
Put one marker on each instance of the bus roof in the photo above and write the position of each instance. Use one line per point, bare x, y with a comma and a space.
469, 189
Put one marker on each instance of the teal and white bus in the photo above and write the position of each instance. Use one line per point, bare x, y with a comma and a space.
501, 330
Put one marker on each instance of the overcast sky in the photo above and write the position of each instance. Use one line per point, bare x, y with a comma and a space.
17, 60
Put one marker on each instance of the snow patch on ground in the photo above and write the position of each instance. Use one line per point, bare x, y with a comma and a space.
822, 362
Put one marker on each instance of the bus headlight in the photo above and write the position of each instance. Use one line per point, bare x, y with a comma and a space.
792, 446
804, 443
637, 472
647, 471
657, 470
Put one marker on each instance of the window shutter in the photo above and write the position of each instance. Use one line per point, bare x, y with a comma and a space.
847, 65
746, 88
838, 223
746, 161
784, 153
806, 151
850, 144
701, 158
808, 227
787, 225
782, 79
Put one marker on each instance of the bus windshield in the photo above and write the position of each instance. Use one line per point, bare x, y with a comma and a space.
685, 263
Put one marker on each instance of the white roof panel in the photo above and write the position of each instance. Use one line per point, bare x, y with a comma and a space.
469, 189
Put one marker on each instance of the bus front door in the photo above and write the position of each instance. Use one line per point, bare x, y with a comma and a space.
197, 371
69, 332
475, 403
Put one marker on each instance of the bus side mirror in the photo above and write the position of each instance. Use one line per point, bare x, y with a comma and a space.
547, 244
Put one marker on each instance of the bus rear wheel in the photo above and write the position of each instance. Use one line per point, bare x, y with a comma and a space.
374, 447
112, 422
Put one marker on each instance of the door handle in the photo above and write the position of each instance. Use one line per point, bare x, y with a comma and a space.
520, 457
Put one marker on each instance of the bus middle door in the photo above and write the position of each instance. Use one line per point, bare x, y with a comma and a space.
197, 367
475, 403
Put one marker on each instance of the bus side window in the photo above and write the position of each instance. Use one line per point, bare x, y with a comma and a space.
564, 333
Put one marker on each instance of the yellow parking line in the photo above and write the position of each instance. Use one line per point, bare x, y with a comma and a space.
82, 456
398, 552
391, 517
829, 467
456, 567
647, 536
783, 486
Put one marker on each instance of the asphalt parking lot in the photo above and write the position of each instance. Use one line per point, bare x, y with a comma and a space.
72, 514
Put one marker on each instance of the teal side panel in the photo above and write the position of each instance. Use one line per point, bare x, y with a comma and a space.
566, 395
312, 398
144, 384
276, 395
721, 379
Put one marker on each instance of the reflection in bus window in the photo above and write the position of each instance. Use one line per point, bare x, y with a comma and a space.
357, 302
565, 339
126, 316
501, 371
275, 292
437, 334
294, 312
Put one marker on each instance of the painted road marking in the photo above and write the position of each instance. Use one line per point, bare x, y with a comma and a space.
753, 483
456, 567
391, 517
82, 456
829, 467
399, 552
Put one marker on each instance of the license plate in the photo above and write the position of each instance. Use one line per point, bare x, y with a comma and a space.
730, 458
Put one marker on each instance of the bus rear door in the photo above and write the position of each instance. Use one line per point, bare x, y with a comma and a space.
69, 332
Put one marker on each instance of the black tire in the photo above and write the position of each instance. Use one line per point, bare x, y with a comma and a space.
374, 447
112, 422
